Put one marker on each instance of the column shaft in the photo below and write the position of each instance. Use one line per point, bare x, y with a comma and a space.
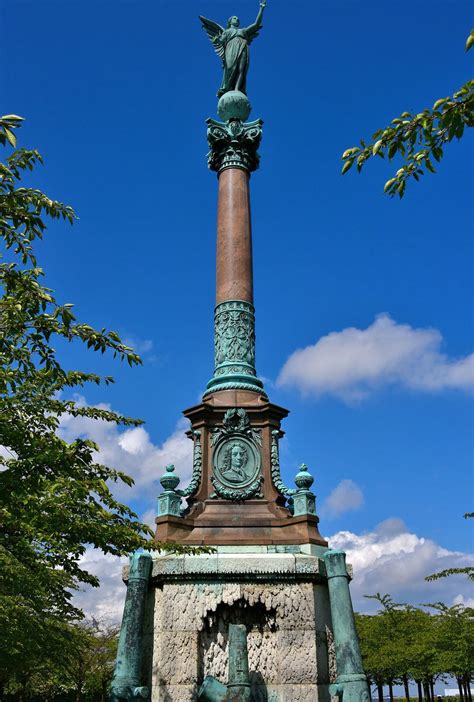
234, 275
234, 156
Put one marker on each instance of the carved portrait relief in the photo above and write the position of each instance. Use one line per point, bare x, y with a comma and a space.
236, 462
236, 458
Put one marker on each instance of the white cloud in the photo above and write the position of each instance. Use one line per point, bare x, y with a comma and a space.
133, 452
389, 559
148, 517
104, 602
352, 363
464, 601
392, 560
140, 346
346, 497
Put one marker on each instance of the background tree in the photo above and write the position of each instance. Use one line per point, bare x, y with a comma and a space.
455, 644
81, 672
403, 644
91, 663
371, 637
417, 138
55, 497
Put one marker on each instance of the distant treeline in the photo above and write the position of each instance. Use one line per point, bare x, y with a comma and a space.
409, 646
80, 671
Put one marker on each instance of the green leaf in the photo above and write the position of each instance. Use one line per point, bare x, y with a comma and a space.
470, 40
438, 103
10, 136
429, 165
347, 166
377, 146
388, 184
392, 149
349, 152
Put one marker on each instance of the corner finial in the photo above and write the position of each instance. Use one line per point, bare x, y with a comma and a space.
304, 501
169, 502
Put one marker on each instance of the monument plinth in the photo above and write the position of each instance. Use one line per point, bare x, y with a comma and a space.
270, 577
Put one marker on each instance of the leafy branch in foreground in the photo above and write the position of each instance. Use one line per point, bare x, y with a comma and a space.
55, 496
417, 138
467, 570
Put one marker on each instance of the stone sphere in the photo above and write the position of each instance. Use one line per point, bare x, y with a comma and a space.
234, 105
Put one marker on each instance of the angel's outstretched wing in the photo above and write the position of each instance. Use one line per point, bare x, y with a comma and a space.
214, 32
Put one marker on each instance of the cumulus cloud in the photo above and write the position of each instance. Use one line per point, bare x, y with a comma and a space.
391, 559
104, 602
133, 452
464, 601
141, 346
346, 497
352, 363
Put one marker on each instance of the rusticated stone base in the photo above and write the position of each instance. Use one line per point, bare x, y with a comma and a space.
283, 600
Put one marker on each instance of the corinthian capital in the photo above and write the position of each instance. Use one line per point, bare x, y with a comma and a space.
234, 144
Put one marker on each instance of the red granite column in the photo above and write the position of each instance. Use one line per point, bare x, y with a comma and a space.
234, 274
234, 156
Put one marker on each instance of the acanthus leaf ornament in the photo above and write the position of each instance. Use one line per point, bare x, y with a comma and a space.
234, 144
234, 348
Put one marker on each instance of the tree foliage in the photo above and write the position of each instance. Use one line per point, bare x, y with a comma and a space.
55, 497
402, 644
91, 665
417, 138
467, 570
82, 671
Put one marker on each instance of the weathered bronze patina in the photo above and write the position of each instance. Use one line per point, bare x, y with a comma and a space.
232, 46
238, 686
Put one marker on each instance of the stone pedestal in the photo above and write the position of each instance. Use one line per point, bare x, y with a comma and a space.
255, 510
279, 593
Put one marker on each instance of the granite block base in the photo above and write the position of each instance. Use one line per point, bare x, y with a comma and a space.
281, 597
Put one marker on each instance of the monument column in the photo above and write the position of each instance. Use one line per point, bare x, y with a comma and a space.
234, 274
234, 156
236, 496
268, 582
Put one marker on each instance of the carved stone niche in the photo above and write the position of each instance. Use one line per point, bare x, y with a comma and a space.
281, 598
238, 496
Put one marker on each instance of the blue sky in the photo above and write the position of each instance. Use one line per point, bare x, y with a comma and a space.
116, 95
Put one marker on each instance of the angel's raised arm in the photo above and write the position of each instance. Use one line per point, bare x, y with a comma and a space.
252, 29
214, 31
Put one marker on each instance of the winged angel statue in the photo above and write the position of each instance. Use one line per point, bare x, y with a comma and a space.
232, 46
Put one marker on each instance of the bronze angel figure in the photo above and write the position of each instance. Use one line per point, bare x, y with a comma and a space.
232, 45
